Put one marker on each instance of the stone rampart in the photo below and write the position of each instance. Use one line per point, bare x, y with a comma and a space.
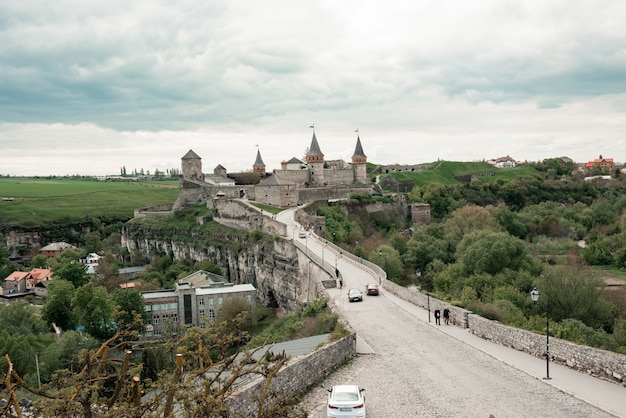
164, 209
594, 361
237, 214
326, 193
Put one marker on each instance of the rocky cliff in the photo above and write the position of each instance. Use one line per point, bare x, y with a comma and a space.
271, 265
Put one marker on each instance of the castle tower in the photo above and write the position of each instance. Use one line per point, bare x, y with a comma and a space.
315, 161
359, 163
191, 166
259, 165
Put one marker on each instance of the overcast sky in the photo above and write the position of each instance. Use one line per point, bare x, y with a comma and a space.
87, 87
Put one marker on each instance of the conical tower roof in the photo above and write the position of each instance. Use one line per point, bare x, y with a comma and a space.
259, 160
191, 156
358, 151
314, 149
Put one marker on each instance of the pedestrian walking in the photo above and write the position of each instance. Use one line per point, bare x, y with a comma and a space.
437, 316
446, 316
340, 283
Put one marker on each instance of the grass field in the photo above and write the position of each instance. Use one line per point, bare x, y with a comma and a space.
444, 172
32, 202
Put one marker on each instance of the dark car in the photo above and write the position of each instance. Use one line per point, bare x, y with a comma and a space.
371, 289
355, 295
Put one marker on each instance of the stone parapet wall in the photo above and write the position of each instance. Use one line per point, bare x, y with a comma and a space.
458, 316
594, 361
296, 377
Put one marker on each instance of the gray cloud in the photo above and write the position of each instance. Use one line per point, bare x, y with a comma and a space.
438, 76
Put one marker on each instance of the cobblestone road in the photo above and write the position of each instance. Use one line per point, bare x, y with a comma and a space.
417, 371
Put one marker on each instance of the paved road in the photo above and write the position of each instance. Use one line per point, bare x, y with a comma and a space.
412, 368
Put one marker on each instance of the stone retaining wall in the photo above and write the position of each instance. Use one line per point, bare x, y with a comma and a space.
296, 377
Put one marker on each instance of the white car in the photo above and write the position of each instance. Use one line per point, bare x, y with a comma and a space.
345, 401
302, 235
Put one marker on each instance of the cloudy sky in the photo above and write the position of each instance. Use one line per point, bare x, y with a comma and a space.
87, 87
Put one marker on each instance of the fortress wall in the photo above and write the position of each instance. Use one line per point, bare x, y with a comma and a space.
294, 176
420, 213
280, 196
238, 215
343, 176
326, 193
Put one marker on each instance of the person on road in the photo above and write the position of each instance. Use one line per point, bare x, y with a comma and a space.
437, 316
340, 283
446, 316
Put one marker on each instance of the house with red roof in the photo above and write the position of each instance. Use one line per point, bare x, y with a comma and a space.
603, 163
20, 283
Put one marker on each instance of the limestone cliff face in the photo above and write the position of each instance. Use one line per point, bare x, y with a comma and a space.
268, 264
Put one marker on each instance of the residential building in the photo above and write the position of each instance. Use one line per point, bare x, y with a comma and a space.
194, 301
603, 163
55, 248
20, 283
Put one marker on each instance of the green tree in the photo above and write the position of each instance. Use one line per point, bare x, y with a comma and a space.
467, 219
92, 309
389, 260
6, 266
58, 307
489, 252
21, 318
72, 271
437, 196
39, 261
577, 293
424, 248
130, 312
93, 242
236, 312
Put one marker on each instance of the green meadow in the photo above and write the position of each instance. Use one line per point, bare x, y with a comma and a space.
34, 202
445, 172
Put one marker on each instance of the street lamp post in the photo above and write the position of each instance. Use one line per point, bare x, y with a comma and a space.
534, 296
380, 279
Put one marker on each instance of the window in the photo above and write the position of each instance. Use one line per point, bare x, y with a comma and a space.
155, 319
201, 313
201, 301
202, 325
175, 317
220, 300
211, 302
212, 314
249, 298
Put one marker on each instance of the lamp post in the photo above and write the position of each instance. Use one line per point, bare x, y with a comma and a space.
380, 279
534, 296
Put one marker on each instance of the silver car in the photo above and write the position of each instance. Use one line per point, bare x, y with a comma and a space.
355, 295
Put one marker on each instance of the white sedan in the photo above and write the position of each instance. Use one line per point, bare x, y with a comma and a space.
345, 401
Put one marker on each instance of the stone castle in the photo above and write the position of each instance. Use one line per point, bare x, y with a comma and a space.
295, 182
